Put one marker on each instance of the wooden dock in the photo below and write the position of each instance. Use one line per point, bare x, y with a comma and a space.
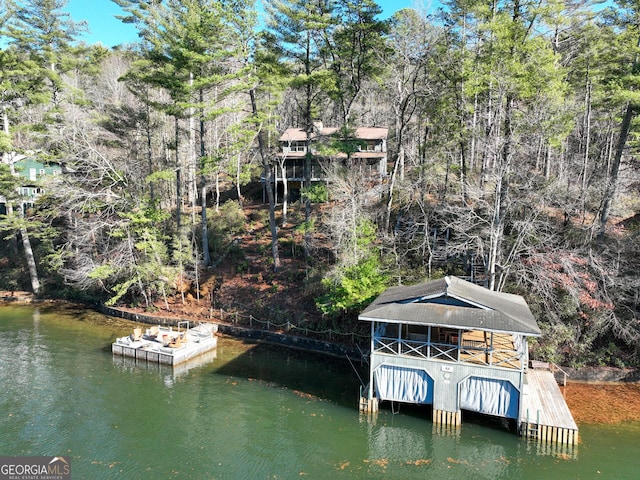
545, 415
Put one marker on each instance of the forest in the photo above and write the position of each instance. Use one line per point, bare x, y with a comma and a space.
512, 159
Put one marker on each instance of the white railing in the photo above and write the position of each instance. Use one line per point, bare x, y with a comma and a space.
469, 352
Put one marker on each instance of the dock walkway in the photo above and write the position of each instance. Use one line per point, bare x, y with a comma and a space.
545, 415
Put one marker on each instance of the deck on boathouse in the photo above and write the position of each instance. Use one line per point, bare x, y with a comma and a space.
545, 415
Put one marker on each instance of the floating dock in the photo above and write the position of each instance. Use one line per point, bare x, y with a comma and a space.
168, 346
545, 416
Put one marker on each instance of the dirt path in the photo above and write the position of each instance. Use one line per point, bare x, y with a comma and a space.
603, 402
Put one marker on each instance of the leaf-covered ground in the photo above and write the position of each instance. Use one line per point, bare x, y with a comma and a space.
603, 402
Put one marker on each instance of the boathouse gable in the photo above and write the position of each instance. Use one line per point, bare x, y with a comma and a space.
455, 301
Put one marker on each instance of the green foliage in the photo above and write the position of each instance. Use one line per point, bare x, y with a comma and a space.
305, 227
103, 272
355, 284
355, 287
5, 143
165, 175
8, 183
316, 193
223, 225
150, 270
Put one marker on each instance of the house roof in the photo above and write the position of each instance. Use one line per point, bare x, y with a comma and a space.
292, 134
372, 133
453, 302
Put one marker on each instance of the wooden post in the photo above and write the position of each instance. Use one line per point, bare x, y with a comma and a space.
368, 405
445, 418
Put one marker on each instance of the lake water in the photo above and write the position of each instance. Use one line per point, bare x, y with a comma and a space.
252, 412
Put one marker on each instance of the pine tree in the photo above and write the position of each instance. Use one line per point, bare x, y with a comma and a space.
354, 52
624, 83
190, 52
40, 48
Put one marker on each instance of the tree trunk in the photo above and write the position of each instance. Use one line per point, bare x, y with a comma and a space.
149, 152
192, 191
307, 158
387, 219
218, 193
238, 178
587, 147
5, 129
285, 193
178, 178
501, 197
268, 173
31, 262
612, 182
206, 256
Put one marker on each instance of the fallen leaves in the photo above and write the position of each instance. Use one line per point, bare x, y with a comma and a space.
600, 403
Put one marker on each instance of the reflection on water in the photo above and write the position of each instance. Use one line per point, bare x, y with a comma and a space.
169, 373
249, 411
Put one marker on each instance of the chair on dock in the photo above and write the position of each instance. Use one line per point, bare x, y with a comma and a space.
153, 332
137, 334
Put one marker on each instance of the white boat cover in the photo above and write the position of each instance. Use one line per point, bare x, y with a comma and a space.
489, 396
402, 384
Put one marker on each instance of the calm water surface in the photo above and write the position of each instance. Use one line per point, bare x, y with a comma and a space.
252, 412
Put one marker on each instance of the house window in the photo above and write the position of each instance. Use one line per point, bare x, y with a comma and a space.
298, 147
42, 171
32, 174
369, 146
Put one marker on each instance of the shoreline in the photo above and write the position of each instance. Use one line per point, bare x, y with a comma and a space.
586, 392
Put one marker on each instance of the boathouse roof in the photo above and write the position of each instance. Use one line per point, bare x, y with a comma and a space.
455, 303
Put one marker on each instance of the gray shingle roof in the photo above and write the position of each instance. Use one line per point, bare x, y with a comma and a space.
453, 302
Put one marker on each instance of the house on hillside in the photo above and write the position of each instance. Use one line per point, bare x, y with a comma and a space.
34, 176
457, 346
367, 152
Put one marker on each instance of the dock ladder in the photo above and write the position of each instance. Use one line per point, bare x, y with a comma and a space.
532, 430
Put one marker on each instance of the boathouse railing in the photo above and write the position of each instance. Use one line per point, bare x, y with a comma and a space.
467, 352
555, 368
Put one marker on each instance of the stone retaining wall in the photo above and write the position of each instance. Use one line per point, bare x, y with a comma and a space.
600, 374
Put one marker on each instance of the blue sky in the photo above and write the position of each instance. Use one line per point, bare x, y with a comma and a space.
108, 30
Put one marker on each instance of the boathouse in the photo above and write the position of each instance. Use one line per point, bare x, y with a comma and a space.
458, 346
